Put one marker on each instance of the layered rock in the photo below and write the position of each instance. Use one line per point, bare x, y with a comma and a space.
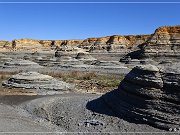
163, 45
4, 43
34, 80
149, 96
136, 40
31, 44
165, 42
85, 56
113, 43
16, 63
103, 44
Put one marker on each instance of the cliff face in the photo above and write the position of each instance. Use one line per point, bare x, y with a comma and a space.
4, 43
113, 43
165, 36
164, 39
103, 44
31, 44
164, 42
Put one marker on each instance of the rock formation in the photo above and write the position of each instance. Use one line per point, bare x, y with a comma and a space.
103, 44
113, 43
4, 43
85, 56
20, 63
165, 42
149, 96
31, 44
34, 80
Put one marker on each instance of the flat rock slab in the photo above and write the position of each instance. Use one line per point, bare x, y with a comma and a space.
20, 63
34, 80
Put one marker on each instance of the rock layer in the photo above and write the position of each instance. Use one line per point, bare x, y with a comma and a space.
34, 80
103, 44
113, 43
149, 96
85, 56
164, 44
20, 63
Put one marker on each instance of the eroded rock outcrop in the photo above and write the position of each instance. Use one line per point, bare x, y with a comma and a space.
16, 63
165, 42
149, 96
113, 43
40, 82
85, 56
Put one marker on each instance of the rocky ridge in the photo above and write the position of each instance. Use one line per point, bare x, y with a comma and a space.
108, 43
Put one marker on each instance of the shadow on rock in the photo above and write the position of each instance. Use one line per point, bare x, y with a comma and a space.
101, 106
144, 96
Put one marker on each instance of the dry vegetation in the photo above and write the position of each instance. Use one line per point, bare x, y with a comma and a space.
90, 81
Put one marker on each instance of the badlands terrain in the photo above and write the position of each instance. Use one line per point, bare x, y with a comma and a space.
108, 85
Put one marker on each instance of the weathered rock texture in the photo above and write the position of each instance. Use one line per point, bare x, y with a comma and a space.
165, 42
84, 56
31, 44
149, 96
34, 80
20, 63
4, 43
113, 43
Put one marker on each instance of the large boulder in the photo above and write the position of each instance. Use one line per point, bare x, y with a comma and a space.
147, 95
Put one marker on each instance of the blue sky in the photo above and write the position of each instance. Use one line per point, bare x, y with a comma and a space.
80, 21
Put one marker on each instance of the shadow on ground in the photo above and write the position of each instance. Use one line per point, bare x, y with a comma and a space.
100, 106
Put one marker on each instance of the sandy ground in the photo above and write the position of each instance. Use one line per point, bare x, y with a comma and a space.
63, 113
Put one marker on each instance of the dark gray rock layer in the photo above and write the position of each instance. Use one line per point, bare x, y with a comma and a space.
149, 96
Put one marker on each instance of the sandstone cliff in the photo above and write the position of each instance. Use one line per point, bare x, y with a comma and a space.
106, 44
31, 44
113, 43
163, 39
4, 43
164, 44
